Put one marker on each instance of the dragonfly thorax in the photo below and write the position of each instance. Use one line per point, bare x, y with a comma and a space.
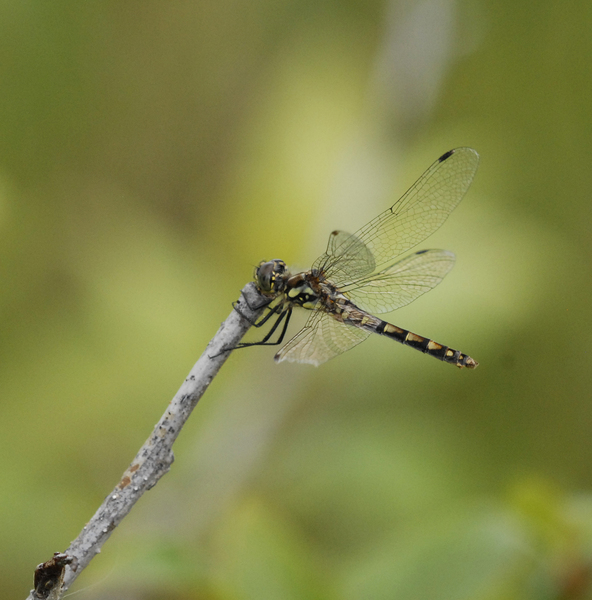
300, 290
271, 276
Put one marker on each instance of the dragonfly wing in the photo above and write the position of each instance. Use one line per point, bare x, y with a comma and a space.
320, 339
347, 255
415, 216
401, 283
336, 240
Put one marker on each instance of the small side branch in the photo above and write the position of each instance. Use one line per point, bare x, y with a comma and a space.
155, 457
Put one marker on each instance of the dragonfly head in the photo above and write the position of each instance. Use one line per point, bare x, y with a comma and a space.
271, 276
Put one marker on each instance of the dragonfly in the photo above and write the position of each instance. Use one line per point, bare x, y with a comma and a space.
356, 278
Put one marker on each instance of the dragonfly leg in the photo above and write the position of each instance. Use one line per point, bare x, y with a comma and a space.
283, 333
265, 341
265, 302
262, 321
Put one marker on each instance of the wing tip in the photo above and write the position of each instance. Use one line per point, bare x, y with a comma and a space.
448, 154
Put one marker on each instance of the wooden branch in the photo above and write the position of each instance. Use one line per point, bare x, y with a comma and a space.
155, 457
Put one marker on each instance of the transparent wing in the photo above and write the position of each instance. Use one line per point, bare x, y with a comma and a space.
320, 339
415, 216
347, 256
401, 283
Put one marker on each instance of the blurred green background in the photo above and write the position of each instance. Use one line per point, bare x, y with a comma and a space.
152, 152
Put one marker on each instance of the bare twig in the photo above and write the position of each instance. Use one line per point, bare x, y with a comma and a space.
155, 457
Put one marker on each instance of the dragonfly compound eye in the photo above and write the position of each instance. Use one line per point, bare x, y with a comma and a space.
270, 276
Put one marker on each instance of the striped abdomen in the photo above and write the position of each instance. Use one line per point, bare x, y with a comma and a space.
427, 346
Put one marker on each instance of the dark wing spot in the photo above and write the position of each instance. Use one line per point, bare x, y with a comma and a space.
421, 252
446, 156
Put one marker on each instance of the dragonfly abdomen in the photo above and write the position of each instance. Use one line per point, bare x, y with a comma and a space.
427, 346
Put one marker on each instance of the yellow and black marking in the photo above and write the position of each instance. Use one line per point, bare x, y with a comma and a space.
427, 346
